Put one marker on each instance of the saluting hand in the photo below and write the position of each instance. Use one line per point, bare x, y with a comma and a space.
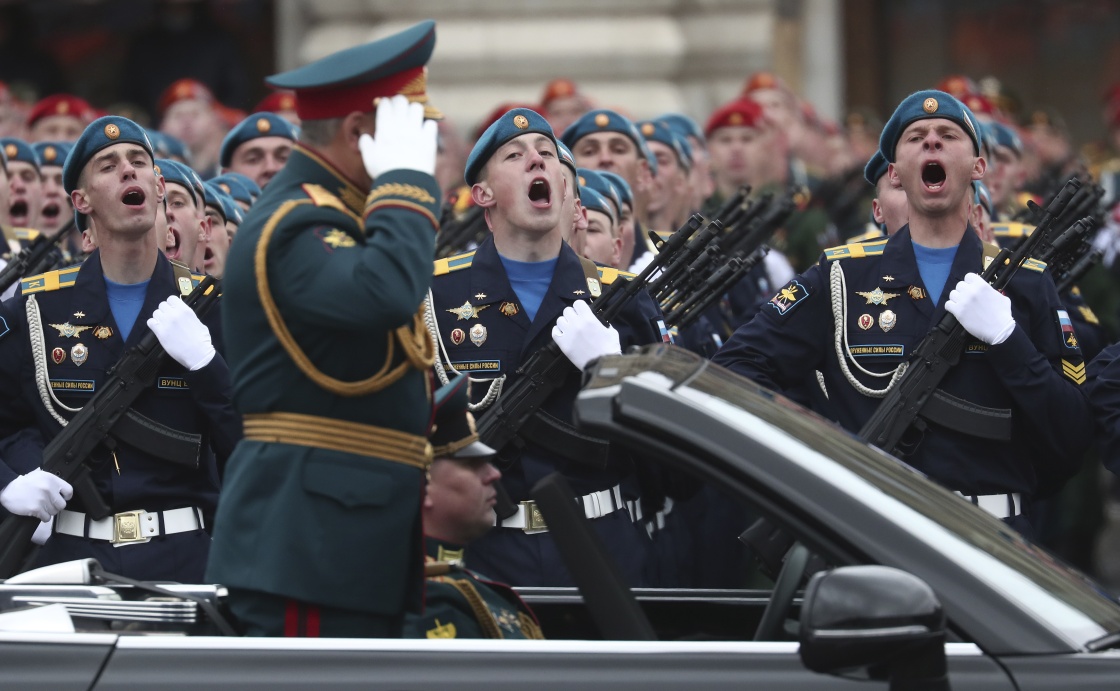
982, 310
403, 140
179, 330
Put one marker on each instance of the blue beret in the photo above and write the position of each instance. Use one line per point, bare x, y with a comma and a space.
603, 120
566, 156
453, 431
98, 135
513, 124
166, 146
19, 150
594, 179
683, 125
875, 168
222, 202
620, 185
52, 153
253, 127
175, 172
351, 79
1002, 135
241, 187
593, 201
657, 131
924, 105
981, 195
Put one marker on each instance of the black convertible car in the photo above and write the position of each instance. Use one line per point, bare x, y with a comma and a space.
889, 581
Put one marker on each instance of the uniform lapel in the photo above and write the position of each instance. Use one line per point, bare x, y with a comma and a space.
488, 279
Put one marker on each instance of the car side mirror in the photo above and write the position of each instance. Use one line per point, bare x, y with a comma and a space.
874, 618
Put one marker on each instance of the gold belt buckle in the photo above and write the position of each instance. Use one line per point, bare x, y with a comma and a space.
534, 519
126, 528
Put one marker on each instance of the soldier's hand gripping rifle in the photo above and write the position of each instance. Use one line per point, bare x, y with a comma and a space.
104, 420
28, 258
915, 397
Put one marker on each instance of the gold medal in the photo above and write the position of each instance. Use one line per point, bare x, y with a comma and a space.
508, 309
102, 332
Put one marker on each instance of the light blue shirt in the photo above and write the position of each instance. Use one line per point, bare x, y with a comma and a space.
933, 267
125, 301
530, 280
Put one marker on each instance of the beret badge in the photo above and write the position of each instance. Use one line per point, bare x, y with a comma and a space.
263, 125
112, 131
520, 122
602, 120
930, 105
647, 129
11, 150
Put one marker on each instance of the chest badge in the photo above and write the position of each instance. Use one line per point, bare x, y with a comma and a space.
102, 332
887, 320
58, 355
458, 336
68, 330
877, 296
185, 286
79, 354
593, 287
888, 279
478, 334
79, 315
467, 311
916, 293
508, 309
865, 321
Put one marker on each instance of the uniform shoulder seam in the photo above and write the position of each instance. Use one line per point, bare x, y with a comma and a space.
457, 262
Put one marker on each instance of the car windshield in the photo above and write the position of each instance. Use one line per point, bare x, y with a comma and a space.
1066, 598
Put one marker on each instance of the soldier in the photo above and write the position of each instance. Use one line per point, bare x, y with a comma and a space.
700, 178
188, 227
25, 184
188, 112
458, 508
56, 212
497, 305
225, 217
606, 141
282, 102
319, 525
671, 199
602, 244
243, 190
59, 118
886, 296
889, 209
258, 147
1007, 177
562, 104
65, 332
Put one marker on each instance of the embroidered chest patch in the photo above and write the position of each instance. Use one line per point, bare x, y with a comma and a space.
789, 297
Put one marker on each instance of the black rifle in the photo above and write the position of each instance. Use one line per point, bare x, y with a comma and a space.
30, 257
915, 397
96, 424
455, 235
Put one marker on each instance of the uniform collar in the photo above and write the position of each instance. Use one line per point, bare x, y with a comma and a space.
900, 264
436, 549
307, 166
89, 297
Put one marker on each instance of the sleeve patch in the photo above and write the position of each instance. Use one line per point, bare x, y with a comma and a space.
662, 330
1075, 372
789, 297
1088, 315
334, 239
1069, 338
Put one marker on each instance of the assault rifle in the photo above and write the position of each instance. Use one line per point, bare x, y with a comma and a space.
915, 398
456, 235
104, 420
28, 258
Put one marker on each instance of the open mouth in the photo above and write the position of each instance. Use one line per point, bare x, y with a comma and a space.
933, 175
175, 245
18, 210
133, 196
208, 257
51, 211
540, 194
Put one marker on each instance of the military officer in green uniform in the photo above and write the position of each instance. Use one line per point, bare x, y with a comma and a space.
457, 509
318, 530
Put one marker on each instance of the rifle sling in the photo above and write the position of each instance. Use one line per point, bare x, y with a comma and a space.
157, 439
968, 418
561, 438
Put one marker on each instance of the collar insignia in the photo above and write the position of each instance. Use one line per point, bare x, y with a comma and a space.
79, 315
877, 296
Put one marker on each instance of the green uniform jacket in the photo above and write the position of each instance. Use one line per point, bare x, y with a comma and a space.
321, 526
459, 603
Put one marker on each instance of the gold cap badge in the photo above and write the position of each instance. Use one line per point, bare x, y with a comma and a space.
11, 150
520, 122
263, 125
49, 154
602, 120
112, 131
930, 105
157, 170
582, 181
735, 119
647, 129
62, 108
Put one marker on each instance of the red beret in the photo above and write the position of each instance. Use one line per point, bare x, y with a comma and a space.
978, 103
742, 112
277, 102
558, 88
182, 90
958, 86
61, 104
763, 80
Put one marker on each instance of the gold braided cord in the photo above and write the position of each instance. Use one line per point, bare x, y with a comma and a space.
339, 435
396, 189
482, 613
403, 204
417, 350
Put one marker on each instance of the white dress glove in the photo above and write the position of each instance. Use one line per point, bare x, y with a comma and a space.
582, 337
982, 310
38, 493
182, 335
43, 532
403, 140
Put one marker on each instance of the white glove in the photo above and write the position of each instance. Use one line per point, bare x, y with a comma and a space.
43, 532
982, 310
403, 140
182, 335
582, 337
38, 493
